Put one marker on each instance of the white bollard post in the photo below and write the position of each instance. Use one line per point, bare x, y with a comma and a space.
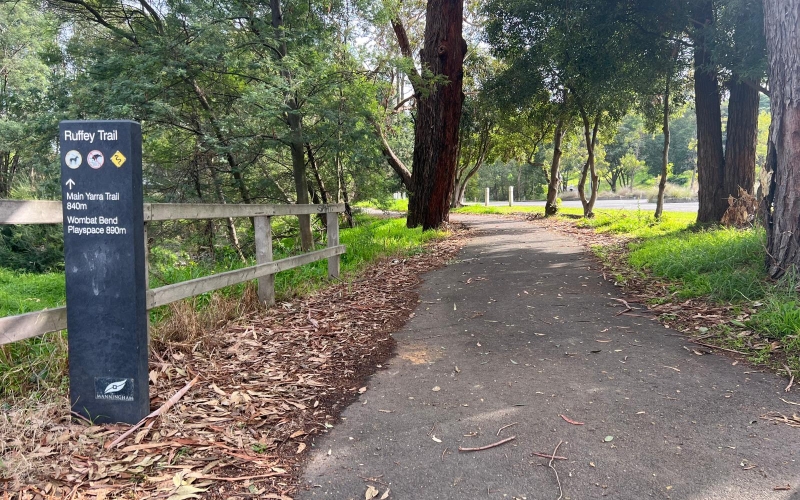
486, 203
510, 196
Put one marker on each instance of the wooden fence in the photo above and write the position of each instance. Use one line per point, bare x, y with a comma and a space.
23, 326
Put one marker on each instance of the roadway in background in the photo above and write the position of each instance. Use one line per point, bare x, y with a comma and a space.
629, 204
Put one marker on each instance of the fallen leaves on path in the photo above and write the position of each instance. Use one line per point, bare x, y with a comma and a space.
570, 421
266, 385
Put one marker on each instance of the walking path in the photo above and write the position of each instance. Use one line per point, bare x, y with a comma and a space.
521, 330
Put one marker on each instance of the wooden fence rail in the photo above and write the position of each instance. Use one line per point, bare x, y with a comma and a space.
23, 326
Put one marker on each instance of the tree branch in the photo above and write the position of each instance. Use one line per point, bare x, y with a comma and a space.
405, 49
98, 18
394, 162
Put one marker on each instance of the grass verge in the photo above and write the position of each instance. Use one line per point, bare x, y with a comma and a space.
710, 282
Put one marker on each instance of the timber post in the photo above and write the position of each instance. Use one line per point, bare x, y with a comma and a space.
263, 236
333, 240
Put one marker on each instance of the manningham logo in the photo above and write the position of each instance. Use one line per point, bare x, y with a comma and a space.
113, 389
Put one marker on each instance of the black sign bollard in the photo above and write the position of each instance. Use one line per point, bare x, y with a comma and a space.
104, 259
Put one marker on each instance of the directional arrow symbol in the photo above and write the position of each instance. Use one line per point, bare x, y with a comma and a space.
70, 183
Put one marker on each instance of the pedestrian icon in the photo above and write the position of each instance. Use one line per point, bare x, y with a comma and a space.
73, 159
118, 159
95, 159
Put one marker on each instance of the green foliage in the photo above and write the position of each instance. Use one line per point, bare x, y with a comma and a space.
35, 248
385, 203
30, 99
527, 177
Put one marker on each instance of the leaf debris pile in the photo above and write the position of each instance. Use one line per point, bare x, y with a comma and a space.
269, 382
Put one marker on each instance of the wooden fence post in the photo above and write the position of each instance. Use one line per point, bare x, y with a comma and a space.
333, 240
486, 203
263, 234
510, 196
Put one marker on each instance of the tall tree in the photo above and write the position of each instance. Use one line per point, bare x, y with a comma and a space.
29, 69
710, 156
294, 119
586, 48
439, 108
475, 142
741, 50
782, 29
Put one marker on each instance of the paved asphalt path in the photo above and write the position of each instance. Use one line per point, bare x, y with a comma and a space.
522, 329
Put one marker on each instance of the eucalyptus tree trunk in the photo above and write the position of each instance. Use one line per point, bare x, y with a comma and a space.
662, 183
589, 169
9, 163
233, 236
438, 116
551, 206
295, 122
710, 158
782, 28
741, 138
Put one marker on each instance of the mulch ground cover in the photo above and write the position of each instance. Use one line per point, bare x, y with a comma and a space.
237, 408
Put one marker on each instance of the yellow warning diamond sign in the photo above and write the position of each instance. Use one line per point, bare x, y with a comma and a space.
118, 159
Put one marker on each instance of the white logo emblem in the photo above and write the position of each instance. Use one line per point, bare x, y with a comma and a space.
115, 387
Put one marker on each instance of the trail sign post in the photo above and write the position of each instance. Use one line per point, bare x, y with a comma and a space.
104, 258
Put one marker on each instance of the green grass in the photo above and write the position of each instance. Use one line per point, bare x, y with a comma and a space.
33, 364
639, 223
723, 264
26, 292
371, 239
388, 205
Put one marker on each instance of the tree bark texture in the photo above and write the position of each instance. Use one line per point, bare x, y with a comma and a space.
741, 139
396, 163
551, 206
589, 170
710, 158
782, 28
9, 163
438, 116
662, 183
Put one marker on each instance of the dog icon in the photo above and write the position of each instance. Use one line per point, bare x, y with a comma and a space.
95, 159
73, 159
